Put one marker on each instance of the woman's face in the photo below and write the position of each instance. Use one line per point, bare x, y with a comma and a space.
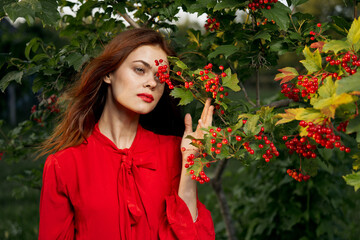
134, 85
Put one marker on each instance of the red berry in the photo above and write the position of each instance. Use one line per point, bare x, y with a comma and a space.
238, 138
318, 25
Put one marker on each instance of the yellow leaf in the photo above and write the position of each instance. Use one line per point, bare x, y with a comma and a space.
193, 38
287, 74
328, 106
219, 34
354, 33
310, 114
289, 115
312, 61
303, 131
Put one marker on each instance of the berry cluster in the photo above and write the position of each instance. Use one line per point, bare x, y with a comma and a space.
310, 85
297, 176
202, 177
211, 24
218, 139
1, 154
290, 91
254, 5
324, 135
315, 34
210, 82
271, 151
263, 22
213, 85
163, 73
349, 62
301, 146
342, 126
50, 104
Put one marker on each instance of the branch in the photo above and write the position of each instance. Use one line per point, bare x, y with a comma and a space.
280, 103
224, 207
257, 87
242, 87
129, 20
355, 9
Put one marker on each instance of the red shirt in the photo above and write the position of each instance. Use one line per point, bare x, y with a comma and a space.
97, 191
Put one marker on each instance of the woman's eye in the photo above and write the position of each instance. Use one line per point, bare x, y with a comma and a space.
139, 70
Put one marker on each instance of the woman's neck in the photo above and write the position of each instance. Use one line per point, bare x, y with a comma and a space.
120, 126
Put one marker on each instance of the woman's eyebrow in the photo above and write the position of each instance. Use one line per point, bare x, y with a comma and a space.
143, 62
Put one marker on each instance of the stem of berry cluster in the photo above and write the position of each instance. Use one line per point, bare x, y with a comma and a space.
224, 207
242, 86
257, 87
355, 9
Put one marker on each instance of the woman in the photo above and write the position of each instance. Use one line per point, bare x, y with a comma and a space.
110, 178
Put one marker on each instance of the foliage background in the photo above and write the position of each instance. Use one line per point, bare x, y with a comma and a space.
264, 202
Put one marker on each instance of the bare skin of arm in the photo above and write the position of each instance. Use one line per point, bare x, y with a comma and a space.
187, 187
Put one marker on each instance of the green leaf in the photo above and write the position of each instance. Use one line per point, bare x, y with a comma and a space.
327, 89
312, 61
32, 45
349, 84
40, 57
49, 13
251, 126
181, 65
263, 35
226, 50
76, 60
336, 46
120, 6
280, 14
354, 126
298, 2
226, 4
185, 95
11, 76
231, 81
354, 32
341, 23
24, 8
353, 180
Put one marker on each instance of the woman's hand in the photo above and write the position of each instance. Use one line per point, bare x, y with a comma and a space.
204, 122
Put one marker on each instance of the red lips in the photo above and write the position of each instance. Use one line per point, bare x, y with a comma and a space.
146, 97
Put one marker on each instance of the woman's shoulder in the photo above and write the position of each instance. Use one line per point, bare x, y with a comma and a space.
67, 155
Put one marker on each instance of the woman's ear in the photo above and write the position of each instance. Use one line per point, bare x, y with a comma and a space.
107, 78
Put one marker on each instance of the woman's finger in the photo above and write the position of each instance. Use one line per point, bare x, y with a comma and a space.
188, 124
209, 117
205, 110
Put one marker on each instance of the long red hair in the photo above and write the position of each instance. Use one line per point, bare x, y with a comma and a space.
86, 98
